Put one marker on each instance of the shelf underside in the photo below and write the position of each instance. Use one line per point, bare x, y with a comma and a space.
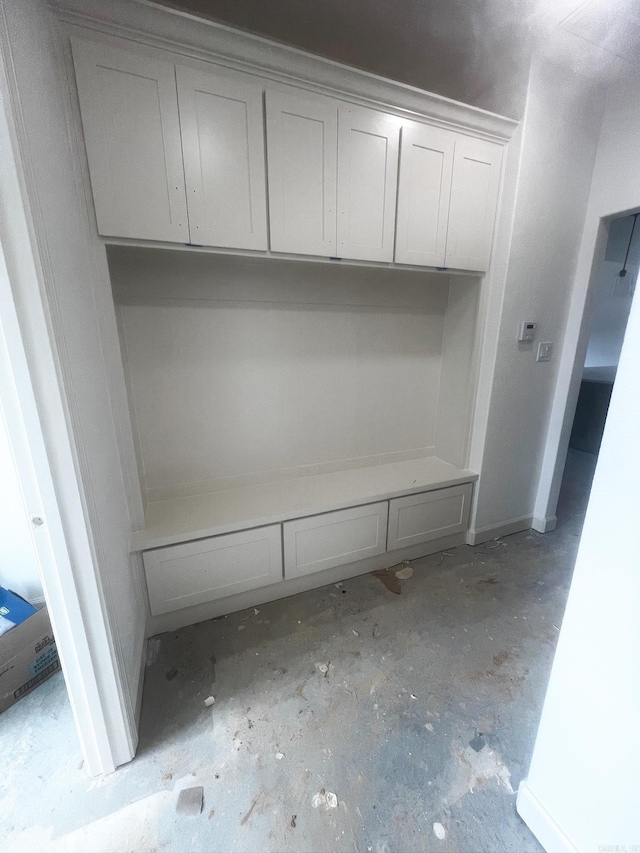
171, 521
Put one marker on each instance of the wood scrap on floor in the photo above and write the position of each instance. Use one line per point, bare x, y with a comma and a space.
190, 801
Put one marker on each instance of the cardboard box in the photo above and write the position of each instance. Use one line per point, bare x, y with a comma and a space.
28, 656
14, 609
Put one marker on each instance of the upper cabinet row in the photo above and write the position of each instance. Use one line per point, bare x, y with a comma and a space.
178, 154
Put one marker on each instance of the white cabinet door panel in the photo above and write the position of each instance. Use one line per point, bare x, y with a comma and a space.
334, 539
195, 572
129, 109
223, 143
302, 140
474, 199
367, 179
426, 162
430, 515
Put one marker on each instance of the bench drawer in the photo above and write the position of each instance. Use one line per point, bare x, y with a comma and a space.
195, 572
334, 539
429, 515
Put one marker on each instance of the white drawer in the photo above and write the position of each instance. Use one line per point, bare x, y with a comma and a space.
334, 539
429, 515
182, 575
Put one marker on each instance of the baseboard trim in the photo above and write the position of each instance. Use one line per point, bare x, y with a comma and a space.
540, 822
484, 534
544, 525
137, 703
253, 598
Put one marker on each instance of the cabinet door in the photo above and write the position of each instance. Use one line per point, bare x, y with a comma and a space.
474, 198
223, 143
129, 109
426, 162
195, 572
302, 142
427, 516
334, 539
367, 178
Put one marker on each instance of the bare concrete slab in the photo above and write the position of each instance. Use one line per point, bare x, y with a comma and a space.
423, 714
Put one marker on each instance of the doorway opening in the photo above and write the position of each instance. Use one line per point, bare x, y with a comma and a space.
613, 292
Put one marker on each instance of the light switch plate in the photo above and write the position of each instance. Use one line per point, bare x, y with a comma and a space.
545, 351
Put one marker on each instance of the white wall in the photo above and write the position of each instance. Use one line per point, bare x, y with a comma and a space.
612, 303
582, 792
615, 189
18, 562
67, 323
559, 138
613, 296
242, 370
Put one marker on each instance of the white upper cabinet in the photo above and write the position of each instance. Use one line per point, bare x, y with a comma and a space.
426, 163
177, 154
302, 146
474, 199
223, 145
132, 133
367, 179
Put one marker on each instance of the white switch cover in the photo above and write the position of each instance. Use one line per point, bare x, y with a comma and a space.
527, 330
545, 350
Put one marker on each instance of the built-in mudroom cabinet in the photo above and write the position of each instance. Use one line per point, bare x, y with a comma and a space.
296, 271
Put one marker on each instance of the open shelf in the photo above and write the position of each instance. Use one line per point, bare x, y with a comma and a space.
171, 521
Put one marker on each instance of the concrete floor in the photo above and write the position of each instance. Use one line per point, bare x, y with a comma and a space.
426, 714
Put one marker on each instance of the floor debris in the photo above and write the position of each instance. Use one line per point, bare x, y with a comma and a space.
428, 727
477, 743
209, 701
479, 768
439, 831
405, 572
170, 674
324, 799
294, 818
389, 579
323, 667
153, 650
190, 801
279, 755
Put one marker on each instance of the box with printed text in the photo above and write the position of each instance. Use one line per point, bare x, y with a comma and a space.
28, 656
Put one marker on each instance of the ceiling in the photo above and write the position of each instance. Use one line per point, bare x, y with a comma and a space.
475, 51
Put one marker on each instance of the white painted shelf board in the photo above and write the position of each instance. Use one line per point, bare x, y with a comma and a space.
171, 521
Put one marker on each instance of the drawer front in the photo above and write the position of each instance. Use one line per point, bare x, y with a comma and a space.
430, 515
334, 539
195, 572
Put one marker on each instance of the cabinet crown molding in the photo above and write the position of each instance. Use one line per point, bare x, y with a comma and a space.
182, 33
